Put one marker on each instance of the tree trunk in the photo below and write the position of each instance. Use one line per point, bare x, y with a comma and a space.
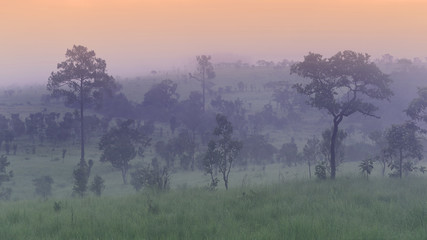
400, 163
337, 121
82, 158
203, 86
124, 171
309, 169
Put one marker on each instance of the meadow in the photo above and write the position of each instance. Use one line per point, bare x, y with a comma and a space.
348, 208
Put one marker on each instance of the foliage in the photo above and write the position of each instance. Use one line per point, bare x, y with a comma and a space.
160, 101
151, 176
342, 85
81, 177
310, 152
417, 107
18, 126
5, 177
222, 152
43, 186
403, 147
121, 144
288, 153
81, 79
205, 72
190, 112
289, 101
233, 110
166, 151
366, 166
210, 164
382, 156
320, 171
256, 150
185, 146
97, 185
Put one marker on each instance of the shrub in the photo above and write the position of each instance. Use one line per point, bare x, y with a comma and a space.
151, 176
97, 185
320, 171
43, 186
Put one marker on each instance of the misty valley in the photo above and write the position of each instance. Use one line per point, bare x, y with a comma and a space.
329, 147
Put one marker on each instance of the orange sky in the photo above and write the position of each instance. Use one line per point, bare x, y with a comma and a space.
135, 36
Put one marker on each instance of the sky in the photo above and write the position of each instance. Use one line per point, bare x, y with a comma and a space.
137, 36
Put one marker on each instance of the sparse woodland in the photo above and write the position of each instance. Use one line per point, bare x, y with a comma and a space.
273, 140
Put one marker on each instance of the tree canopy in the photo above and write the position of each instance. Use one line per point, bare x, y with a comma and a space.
82, 79
343, 84
122, 144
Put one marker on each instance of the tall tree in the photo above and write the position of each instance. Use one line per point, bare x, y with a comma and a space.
205, 71
223, 152
81, 78
342, 85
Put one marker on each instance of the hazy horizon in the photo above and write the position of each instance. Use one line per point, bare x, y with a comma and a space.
137, 36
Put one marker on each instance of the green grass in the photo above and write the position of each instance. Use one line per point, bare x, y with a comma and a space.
348, 208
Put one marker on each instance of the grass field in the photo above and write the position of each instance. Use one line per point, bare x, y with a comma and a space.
348, 208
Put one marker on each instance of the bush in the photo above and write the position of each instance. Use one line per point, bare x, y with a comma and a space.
97, 185
320, 172
150, 176
81, 176
43, 186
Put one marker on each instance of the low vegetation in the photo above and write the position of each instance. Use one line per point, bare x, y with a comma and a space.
349, 208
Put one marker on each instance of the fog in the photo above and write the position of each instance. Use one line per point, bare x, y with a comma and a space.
213, 119
135, 37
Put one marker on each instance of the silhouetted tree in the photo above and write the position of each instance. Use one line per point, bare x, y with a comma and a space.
18, 126
43, 186
97, 185
190, 112
325, 148
288, 153
382, 155
121, 144
151, 176
205, 71
225, 149
80, 78
35, 125
417, 108
403, 144
167, 152
342, 85
310, 152
160, 101
233, 110
5, 177
256, 149
366, 166
52, 127
81, 177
